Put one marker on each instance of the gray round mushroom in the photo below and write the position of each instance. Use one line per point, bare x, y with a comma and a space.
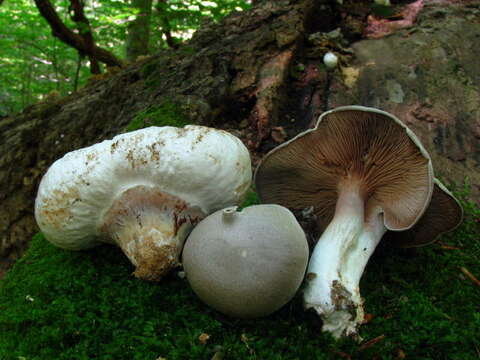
363, 172
246, 264
143, 191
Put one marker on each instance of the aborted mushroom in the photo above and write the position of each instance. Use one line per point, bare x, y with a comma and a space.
143, 191
363, 172
246, 264
443, 214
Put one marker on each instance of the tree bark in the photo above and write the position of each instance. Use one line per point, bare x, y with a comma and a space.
259, 74
139, 30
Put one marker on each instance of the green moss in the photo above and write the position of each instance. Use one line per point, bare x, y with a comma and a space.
148, 69
56, 304
383, 11
251, 198
153, 74
166, 114
186, 50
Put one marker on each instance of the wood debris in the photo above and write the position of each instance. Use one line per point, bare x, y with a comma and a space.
203, 338
401, 354
449, 247
279, 134
342, 355
472, 277
370, 343
367, 318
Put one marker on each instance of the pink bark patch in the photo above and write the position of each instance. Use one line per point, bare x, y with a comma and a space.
378, 28
273, 72
272, 76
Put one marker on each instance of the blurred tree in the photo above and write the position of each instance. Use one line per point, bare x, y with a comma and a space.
138, 35
162, 12
82, 40
87, 34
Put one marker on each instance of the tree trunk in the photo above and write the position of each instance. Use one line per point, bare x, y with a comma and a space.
139, 30
259, 74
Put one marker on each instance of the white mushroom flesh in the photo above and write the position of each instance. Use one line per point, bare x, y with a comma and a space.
338, 261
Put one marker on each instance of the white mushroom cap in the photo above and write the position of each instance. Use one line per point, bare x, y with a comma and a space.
246, 264
168, 175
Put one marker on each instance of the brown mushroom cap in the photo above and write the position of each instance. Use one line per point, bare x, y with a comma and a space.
351, 142
443, 214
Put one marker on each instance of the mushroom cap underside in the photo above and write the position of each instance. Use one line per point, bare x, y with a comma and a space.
444, 214
351, 142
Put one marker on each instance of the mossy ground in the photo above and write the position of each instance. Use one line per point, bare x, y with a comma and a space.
56, 304
167, 113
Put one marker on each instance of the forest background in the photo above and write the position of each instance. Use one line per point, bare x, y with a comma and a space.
35, 63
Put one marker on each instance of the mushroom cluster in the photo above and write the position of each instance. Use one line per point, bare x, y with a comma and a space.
363, 172
143, 191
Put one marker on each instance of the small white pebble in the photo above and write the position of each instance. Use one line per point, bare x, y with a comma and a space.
330, 60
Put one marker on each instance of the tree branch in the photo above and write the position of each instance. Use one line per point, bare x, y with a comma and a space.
166, 29
62, 32
85, 31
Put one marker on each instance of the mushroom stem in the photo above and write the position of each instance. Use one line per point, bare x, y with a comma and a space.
150, 226
229, 213
152, 243
325, 291
338, 261
358, 256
